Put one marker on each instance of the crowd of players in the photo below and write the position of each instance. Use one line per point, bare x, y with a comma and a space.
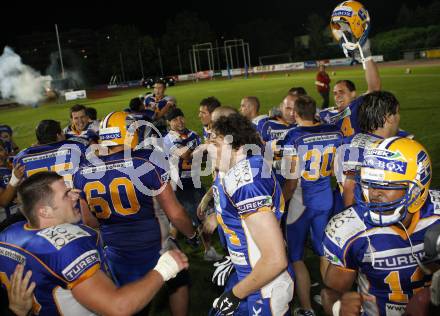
101, 204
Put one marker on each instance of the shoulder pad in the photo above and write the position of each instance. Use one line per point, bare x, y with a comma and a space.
238, 176
343, 226
61, 235
363, 140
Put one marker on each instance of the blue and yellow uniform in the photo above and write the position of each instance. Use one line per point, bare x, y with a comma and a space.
274, 130
243, 191
87, 136
384, 257
314, 148
153, 104
5, 176
62, 157
259, 121
186, 192
119, 191
346, 120
60, 257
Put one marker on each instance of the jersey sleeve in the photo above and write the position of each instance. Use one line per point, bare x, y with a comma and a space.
78, 183
341, 234
249, 191
77, 257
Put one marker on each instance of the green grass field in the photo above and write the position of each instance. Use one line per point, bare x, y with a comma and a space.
418, 93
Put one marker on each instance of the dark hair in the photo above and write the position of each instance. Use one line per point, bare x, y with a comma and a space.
6, 128
77, 108
136, 104
92, 113
173, 113
161, 81
297, 91
348, 83
375, 108
211, 103
47, 131
34, 190
305, 107
239, 127
254, 101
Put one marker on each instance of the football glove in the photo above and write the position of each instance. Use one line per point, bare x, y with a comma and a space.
223, 269
227, 303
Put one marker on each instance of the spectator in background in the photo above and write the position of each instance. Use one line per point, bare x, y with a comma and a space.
323, 85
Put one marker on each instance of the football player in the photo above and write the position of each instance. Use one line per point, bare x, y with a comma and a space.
249, 204
158, 103
8, 187
207, 106
312, 146
80, 128
52, 152
276, 128
118, 188
379, 241
6, 136
353, 19
66, 259
250, 108
378, 118
179, 144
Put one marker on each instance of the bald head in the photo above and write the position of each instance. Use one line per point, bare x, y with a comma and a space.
222, 111
249, 107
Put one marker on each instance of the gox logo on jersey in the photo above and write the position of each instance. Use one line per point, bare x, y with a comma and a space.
61, 235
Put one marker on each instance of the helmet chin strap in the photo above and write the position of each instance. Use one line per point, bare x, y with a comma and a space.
419, 263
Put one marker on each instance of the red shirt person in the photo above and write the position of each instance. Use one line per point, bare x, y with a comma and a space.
323, 85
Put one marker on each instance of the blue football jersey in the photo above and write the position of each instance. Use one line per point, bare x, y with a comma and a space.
62, 157
119, 191
146, 128
314, 148
154, 104
273, 130
176, 140
346, 120
259, 121
5, 176
88, 135
247, 188
382, 256
206, 133
60, 257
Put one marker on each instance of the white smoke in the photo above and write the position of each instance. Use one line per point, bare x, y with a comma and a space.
20, 82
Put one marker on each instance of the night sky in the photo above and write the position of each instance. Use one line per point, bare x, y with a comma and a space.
151, 16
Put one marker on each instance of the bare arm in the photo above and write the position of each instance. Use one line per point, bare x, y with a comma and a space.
337, 281
265, 231
349, 187
290, 185
175, 211
8, 194
98, 293
372, 76
87, 217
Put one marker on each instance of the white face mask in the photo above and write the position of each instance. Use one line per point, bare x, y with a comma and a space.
389, 219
